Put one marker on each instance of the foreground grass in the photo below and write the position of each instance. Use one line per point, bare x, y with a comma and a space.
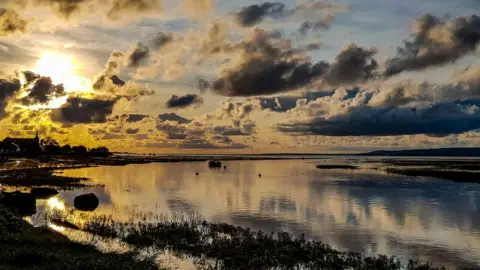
24, 247
224, 246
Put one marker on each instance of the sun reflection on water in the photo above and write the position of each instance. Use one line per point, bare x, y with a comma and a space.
55, 204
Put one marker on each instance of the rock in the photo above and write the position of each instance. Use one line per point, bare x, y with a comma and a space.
43, 193
23, 203
86, 202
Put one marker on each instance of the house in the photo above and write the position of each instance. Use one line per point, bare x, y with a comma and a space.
21, 145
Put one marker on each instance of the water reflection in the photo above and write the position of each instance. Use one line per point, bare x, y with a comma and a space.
365, 211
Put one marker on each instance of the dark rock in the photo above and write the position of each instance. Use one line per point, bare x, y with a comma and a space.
86, 202
23, 203
43, 193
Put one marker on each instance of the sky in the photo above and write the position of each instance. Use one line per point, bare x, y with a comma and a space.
222, 76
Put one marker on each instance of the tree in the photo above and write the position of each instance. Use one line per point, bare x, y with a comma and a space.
80, 149
66, 149
50, 145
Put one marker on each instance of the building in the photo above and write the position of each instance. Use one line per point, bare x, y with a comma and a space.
21, 145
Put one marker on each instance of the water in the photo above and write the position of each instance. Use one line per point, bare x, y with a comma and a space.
363, 210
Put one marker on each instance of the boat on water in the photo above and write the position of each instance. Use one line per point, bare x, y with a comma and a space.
214, 164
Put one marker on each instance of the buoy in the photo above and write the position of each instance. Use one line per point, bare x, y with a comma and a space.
224, 167
196, 173
259, 175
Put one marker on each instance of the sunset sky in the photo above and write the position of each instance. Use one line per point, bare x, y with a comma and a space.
223, 76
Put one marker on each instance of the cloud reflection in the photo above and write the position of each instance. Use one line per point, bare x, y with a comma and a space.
364, 211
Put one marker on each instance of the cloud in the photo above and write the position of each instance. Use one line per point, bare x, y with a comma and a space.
246, 129
161, 39
317, 25
198, 6
112, 10
184, 101
174, 118
42, 91
8, 88
267, 67
439, 120
11, 22
117, 81
132, 130
436, 42
398, 109
139, 54
253, 14
133, 118
120, 8
83, 111
352, 65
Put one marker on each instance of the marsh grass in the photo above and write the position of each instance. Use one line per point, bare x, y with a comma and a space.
224, 246
40, 177
24, 247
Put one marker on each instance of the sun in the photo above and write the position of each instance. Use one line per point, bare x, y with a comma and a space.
62, 69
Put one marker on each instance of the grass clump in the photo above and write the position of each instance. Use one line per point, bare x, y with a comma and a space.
24, 247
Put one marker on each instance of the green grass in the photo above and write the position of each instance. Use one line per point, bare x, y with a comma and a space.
24, 247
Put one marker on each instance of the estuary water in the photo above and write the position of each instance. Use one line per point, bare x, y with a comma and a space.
363, 210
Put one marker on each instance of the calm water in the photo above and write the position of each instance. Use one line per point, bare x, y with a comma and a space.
363, 210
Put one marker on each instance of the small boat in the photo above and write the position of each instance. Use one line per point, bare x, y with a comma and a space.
214, 164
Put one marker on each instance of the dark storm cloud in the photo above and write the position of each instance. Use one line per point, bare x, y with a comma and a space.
30, 76
436, 41
11, 22
140, 53
173, 117
8, 88
253, 14
183, 101
133, 118
352, 65
267, 66
117, 81
42, 92
161, 39
83, 111
440, 120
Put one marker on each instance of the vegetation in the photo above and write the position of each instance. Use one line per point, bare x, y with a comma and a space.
25, 247
224, 246
39, 177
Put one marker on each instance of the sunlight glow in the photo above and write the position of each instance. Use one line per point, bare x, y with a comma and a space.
56, 228
55, 203
62, 69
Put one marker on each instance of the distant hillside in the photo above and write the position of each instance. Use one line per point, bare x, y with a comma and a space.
446, 152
